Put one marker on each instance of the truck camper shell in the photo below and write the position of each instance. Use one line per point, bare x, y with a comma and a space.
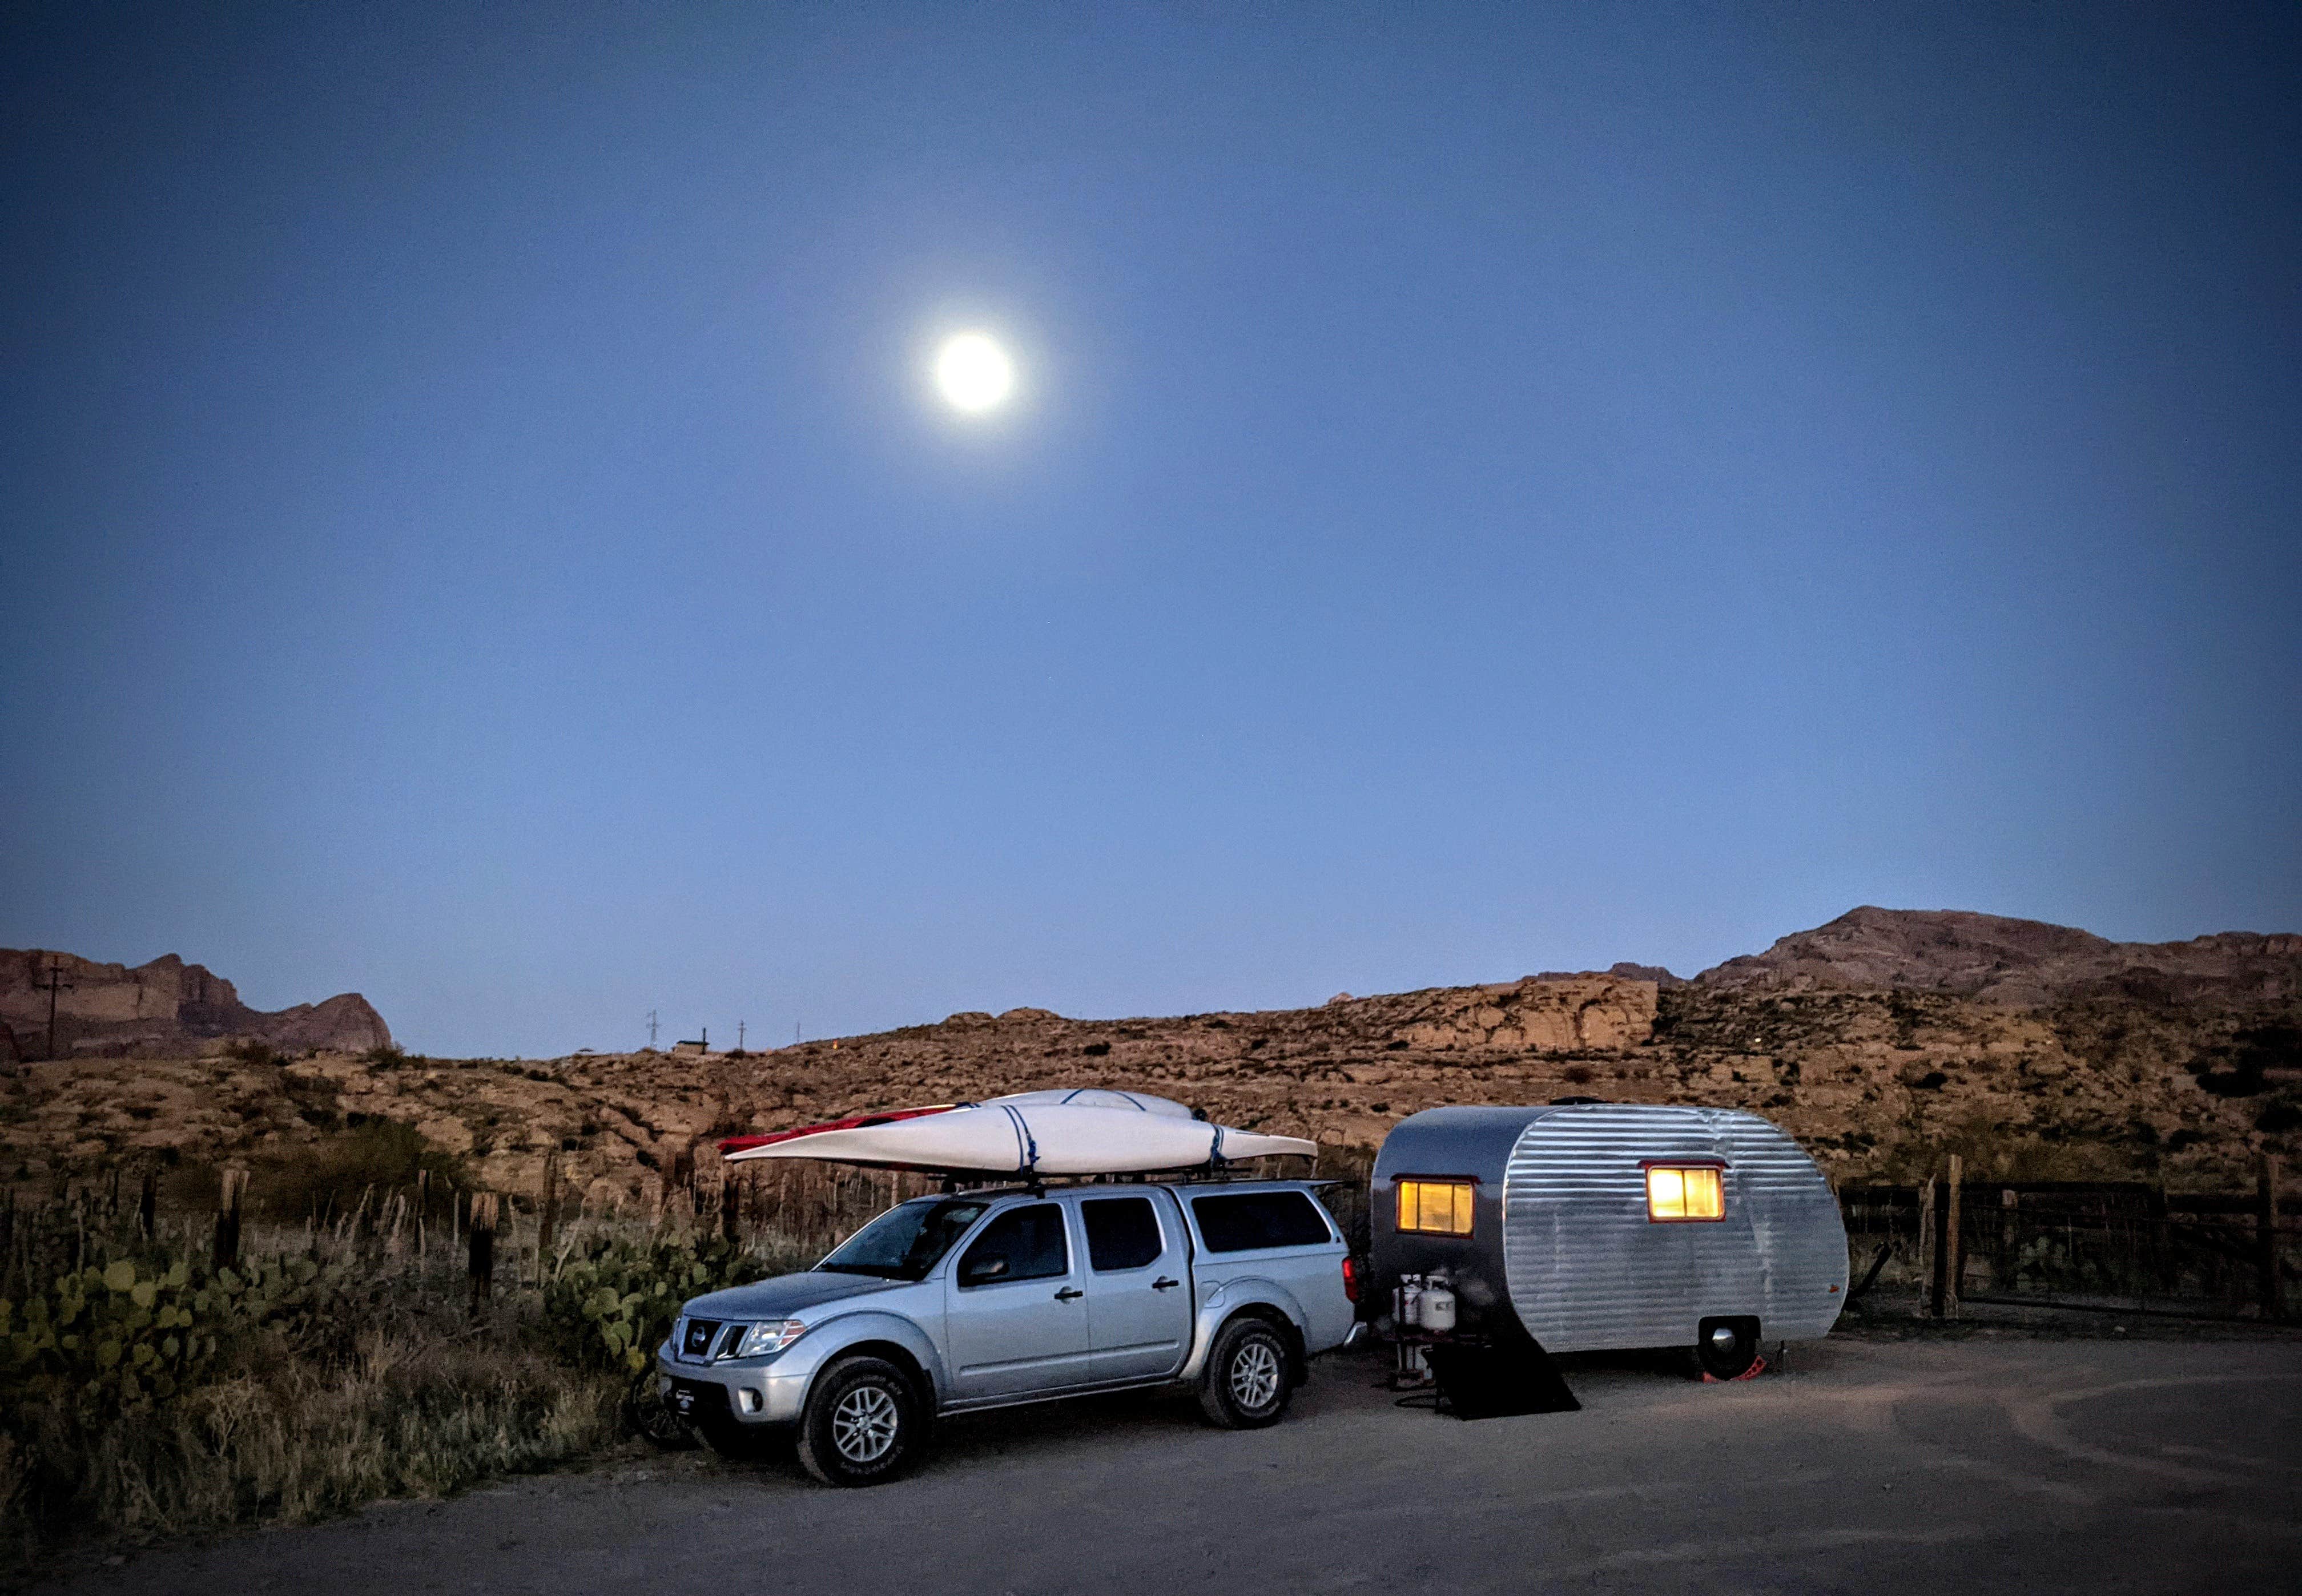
1594, 1226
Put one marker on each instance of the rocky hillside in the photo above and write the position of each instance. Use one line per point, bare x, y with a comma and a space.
161, 1010
2017, 963
2130, 1078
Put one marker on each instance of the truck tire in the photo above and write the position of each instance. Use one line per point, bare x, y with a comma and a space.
1245, 1385
1726, 1347
863, 1423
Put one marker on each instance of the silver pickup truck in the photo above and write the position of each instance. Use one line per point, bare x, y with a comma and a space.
951, 1304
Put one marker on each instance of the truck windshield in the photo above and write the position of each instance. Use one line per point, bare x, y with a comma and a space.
904, 1243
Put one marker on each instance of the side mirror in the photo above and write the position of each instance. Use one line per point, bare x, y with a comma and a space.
979, 1270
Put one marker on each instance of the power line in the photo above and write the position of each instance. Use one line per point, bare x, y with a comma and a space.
56, 980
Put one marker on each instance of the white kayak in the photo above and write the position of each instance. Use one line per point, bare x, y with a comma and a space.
1084, 1132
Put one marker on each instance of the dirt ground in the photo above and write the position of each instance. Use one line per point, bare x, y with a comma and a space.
1996, 1461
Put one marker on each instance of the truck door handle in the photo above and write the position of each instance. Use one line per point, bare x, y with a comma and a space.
1068, 1292
1164, 1284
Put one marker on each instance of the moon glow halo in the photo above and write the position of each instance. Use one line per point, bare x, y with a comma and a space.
973, 373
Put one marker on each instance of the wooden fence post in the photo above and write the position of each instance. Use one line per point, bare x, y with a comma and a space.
1938, 1271
1953, 1239
1927, 1260
547, 1215
2009, 1239
147, 1205
227, 1225
483, 1265
2265, 1239
731, 1198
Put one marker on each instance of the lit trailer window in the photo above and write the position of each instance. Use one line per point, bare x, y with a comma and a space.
1430, 1205
1686, 1189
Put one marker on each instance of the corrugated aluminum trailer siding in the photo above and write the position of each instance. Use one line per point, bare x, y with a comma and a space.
1586, 1269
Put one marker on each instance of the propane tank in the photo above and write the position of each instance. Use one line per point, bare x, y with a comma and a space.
1438, 1307
1410, 1301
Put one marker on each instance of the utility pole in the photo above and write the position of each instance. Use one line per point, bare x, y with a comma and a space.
55, 980
651, 1030
739, 1036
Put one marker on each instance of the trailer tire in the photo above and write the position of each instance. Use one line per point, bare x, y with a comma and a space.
1249, 1377
862, 1424
1726, 1347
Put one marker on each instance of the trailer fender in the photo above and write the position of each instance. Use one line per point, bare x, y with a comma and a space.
1252, 1294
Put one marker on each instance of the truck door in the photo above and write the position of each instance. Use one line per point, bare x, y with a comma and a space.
1138, 1304
1014, 1309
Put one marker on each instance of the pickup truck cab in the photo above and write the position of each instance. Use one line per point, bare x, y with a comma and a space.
989, 1299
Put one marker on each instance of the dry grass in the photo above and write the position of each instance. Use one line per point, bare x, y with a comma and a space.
384, 1385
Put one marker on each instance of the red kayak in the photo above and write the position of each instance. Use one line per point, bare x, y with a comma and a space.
739, 1144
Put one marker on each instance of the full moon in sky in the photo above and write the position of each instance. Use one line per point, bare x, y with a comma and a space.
974, 372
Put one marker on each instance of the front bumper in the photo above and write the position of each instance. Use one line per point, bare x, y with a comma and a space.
747, 1391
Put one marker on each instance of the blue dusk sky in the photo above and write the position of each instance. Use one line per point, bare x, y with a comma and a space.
1487, 490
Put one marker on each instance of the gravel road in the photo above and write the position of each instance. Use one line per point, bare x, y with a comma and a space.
1987, 1464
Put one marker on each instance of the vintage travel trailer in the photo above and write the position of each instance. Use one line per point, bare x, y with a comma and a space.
1594, 1225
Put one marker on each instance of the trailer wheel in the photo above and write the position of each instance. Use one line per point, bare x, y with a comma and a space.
862, 1424
1246, 1383
1726, 1347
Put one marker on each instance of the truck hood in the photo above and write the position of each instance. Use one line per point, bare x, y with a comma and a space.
783, 1295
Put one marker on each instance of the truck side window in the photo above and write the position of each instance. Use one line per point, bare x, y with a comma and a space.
1435, 1207
1122, 1232
1030, 1240
1684, 1192
1253, 1219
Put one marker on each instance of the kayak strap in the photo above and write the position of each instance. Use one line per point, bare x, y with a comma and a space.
1027, 1147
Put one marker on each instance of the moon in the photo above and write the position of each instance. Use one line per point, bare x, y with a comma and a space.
974, 372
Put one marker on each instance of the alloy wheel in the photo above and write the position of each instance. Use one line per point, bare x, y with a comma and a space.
1254, 1376
864, 1425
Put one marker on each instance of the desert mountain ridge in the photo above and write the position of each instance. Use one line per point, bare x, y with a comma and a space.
1879, 1040
2018, 964
163, 1008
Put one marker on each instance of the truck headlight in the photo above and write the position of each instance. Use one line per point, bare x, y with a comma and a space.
773, 1336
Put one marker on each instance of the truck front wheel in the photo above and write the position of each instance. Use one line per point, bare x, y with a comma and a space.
1245, 1385
862, 1424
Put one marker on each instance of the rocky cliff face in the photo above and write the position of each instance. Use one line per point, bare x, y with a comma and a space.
1881, 1041
165, 1009
2018, 964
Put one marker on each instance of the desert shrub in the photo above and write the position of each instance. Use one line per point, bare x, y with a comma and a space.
300, 1439
120, 1337
373, 1156
608, 1308
253, 1051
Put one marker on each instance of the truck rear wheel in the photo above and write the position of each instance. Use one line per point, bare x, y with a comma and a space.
862, 1424
1245, 1385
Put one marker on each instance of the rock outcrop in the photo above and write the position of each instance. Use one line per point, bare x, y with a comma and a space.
2018, 964
1880, 1041
165, 1009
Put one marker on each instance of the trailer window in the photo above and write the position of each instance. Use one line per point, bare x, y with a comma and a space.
1676, 1192
1435, 1207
